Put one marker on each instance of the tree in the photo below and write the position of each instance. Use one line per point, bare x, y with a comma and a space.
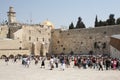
71, 26
80, 24
96, 22
102, 23
111, 20
118, 21
104, 45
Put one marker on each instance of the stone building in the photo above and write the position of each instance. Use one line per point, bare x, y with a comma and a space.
35, 38
11, 16
40, 39
17, 38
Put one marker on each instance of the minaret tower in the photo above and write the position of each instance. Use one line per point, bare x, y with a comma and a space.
11, 15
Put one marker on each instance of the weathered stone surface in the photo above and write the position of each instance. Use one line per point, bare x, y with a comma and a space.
81, 41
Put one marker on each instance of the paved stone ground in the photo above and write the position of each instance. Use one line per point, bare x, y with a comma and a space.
15, 71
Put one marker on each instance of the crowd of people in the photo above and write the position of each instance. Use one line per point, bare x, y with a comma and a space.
99, 63
64, 61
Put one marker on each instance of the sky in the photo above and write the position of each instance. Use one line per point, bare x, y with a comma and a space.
60, 12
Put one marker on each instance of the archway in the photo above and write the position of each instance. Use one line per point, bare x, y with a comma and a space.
3, 56
11, 56
42, 50
32, 49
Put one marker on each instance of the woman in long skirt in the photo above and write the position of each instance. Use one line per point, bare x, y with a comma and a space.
63, 65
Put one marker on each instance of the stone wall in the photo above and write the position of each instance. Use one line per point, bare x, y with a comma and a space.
9, 44
3, 31
114, 52
12, 30
81, 41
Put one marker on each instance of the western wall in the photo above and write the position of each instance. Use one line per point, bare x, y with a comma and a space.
83, 41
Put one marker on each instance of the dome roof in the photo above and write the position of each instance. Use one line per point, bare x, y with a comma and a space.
48, 23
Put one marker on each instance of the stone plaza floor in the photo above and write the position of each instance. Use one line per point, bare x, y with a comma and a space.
16, 71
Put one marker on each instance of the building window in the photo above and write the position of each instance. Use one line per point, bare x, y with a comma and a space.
58, 42
43, 39
61, 45
37, 39
20, 48
29, 38
63, 49
81, 42
49, 40
39, 31
90, 37
68, 33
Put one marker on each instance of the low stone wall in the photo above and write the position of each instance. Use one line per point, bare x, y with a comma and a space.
14, 52
10, 44
114, 52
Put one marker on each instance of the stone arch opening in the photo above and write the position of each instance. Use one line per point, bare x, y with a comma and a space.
3, 56
11, 56
42, 50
